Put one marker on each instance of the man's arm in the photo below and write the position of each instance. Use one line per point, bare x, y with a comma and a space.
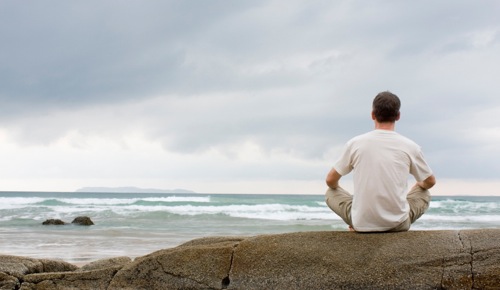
332, 179
427, 183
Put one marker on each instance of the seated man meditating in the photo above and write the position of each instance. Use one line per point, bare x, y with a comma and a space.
381, 161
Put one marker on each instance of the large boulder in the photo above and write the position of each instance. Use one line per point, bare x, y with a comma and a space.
468, 259
324, 260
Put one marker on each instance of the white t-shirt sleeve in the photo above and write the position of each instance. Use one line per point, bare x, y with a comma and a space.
344, 164
418, 167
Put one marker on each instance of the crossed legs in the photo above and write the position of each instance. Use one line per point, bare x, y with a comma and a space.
340, 202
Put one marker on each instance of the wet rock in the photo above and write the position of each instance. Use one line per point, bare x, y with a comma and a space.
82, 221
53, 222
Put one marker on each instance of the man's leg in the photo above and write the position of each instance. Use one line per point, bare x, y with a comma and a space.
419, 200
340, 201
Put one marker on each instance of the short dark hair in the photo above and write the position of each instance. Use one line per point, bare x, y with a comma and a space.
386, 107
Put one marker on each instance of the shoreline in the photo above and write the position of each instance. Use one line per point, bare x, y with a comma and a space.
134, 225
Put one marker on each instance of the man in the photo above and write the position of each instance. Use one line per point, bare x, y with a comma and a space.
381, 161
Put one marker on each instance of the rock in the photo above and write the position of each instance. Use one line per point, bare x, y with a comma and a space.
8, 282
483, 247
323, 260
468, 259
19, 266
97, 279
203, 265
53, 222
14, 269
57, 266
83, 221
105, 263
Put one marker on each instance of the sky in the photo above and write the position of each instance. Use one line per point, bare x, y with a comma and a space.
241, 96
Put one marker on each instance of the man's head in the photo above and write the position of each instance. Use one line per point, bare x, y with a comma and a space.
386, 107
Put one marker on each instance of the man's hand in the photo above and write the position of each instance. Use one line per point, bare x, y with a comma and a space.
332, 179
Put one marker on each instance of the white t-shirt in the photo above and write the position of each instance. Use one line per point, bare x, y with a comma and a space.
382, 161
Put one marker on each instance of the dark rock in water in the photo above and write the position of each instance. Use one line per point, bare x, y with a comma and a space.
53, 222
83, 221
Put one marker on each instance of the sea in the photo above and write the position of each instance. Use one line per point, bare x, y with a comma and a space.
136, 224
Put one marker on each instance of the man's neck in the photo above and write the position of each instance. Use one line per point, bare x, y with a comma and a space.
390, 126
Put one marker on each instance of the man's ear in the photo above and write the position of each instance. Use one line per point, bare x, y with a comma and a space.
399, 116
373, 116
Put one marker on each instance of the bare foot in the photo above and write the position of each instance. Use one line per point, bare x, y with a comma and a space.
351, 229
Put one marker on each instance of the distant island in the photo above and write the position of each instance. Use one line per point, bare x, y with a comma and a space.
131, 189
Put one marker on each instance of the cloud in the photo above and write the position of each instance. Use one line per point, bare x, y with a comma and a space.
264, 89
72, 54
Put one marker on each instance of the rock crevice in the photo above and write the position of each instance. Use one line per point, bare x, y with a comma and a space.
227, 280
468, 248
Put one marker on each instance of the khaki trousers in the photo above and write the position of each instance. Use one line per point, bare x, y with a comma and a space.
340, 201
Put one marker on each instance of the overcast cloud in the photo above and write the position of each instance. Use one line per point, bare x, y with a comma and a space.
240, 96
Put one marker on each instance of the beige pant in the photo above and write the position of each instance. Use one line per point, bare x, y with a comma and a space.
340, 201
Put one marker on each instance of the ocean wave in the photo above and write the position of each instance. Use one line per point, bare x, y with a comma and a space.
20, 202
463, 207
247, 207
126, 201
200, 199
9, 202
490, 218
128, 208
260, 211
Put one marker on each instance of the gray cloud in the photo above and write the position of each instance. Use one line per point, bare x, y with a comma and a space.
69, 54
292, 76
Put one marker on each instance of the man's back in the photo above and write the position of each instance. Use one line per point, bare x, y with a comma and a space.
381, 161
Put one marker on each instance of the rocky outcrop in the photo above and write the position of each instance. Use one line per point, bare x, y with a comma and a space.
468, 259
13, 269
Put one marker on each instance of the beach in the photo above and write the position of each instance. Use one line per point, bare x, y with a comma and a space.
136, 224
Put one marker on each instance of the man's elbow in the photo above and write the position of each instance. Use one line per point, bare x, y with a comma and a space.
332, 184
332, 179
430, 181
